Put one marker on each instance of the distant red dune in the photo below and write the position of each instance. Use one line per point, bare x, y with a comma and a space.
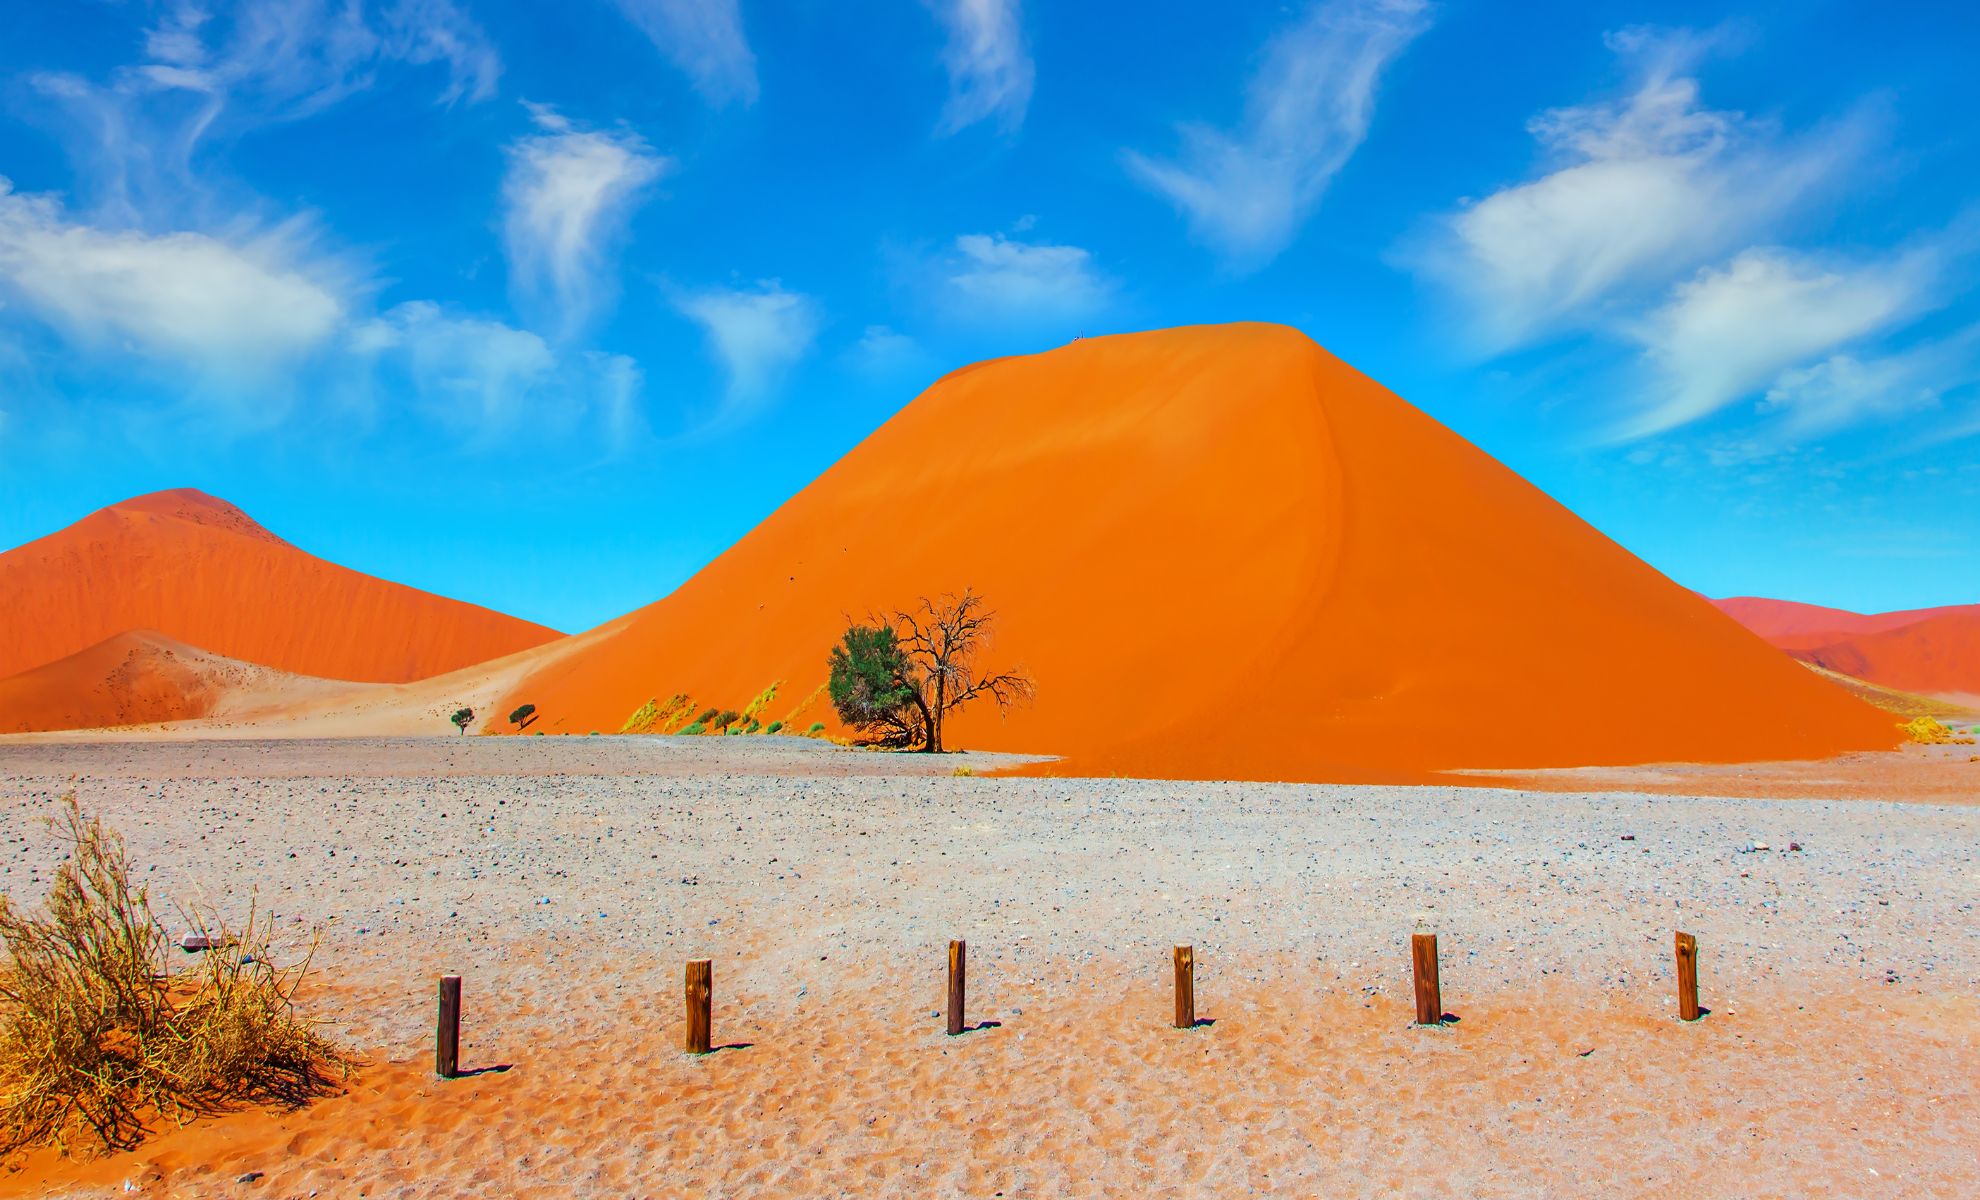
1930, 650
1221, 553
1773, 619
200, 571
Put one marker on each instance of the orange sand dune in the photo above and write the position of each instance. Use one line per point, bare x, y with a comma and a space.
1780, 619
142, 678
1222, 553
199, 570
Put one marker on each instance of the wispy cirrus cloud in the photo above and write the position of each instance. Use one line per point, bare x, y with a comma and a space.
230, 308
990, 69
568, 193
1246, 192
757, 333
705, 39
211, 71
1642, 189
990, 277
482, 379
1731, 331
1847, 389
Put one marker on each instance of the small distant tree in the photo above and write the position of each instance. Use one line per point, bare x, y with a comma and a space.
901, 678
461, 718
520, 717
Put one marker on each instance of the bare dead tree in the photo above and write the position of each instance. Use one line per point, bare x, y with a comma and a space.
941, 639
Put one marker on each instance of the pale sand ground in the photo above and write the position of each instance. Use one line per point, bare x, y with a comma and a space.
1842, 1055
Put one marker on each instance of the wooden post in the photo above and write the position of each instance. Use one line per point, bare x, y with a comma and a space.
1429, 998
700, 990
447, 1037
1185, 987
1687, 956
958, 955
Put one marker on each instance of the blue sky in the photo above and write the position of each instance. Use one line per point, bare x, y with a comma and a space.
544, 305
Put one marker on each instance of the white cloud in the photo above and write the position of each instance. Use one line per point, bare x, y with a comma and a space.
1307, 109
886, 353
484, 379
703, 38
569, 192
1645, 188
1730, 331
230, 308
216, 70
1845, 389
990, 72
758, 333
995, 278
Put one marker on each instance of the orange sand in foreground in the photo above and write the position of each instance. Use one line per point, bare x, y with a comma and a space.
198, 570
1553, 1091
1222, 553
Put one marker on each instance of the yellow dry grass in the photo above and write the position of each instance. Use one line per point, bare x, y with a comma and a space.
98, 1040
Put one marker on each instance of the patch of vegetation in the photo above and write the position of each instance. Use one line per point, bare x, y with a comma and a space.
1932, 733
897, 679
726, 718
461, 718
695, 729
520, 717
963, 772
98, 1038
816, 727
773, 727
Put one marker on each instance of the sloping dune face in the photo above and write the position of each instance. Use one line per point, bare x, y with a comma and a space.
1223, 553
134, 678
199, 570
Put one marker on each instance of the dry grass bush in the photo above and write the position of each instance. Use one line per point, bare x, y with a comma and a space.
98, 1039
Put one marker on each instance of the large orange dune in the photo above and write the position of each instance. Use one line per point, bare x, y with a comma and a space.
1931, 650
196, 569
1221, 553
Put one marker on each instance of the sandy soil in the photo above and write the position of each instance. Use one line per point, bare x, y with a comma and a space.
1913, 773
568, 879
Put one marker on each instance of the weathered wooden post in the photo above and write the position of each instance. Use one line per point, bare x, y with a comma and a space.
700, 991
1687, 960
1429, 997
1185, 987
447, 1036
958, 955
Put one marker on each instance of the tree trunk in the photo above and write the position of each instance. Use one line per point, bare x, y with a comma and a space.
935, 719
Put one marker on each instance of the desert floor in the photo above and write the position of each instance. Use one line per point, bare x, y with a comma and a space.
568, 880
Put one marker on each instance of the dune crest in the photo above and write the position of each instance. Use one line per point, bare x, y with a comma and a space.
1222, 553
197, 569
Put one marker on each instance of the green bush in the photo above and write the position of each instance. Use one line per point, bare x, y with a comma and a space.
728, 717
695, 728
707, 715
773, 727
816, 727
